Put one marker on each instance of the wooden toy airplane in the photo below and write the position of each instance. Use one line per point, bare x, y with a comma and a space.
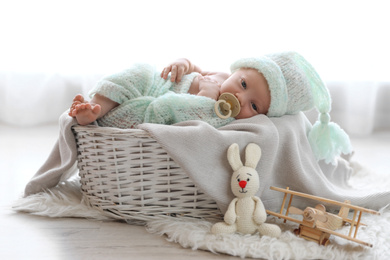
317, 224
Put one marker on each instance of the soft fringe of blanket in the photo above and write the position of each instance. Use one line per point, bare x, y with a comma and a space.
65, 200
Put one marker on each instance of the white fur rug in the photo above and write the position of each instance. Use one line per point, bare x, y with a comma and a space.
66, 201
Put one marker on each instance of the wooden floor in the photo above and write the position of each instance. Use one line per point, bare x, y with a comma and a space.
23, 236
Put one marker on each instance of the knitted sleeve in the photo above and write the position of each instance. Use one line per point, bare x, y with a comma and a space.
168, 109
137, 81
173, 108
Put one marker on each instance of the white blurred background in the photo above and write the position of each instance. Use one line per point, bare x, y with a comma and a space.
52, 50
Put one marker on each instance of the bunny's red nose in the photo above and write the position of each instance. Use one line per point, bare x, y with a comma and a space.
242, 184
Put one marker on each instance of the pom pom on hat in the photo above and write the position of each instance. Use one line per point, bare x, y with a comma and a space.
295, 86
328, 140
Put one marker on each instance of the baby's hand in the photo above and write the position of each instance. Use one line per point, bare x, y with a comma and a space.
177, 69
209, 87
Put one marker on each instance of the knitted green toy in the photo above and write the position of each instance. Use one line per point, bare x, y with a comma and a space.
246, 213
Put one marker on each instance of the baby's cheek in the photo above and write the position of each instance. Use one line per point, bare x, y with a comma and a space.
244, 113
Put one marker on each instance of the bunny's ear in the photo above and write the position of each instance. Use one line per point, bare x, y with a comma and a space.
252, 155
233, 156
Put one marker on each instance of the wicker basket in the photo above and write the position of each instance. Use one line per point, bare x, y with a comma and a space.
128, 175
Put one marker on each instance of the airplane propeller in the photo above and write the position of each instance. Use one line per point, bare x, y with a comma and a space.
309, 214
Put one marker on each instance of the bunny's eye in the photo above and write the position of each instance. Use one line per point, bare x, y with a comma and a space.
238, 180
248, 179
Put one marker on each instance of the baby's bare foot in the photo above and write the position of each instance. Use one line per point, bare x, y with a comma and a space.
76, 101
84, 112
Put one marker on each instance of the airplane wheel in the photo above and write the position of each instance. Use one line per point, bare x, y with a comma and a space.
325, 242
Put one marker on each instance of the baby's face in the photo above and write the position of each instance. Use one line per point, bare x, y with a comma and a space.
251, 89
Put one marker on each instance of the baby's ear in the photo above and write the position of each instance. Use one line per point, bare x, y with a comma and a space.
233, 156
252, 155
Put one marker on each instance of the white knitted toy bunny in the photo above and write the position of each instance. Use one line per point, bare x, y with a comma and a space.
246, 213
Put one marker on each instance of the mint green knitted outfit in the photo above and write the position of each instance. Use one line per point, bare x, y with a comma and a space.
145, 97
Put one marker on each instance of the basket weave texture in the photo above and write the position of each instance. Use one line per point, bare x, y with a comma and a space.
127, 175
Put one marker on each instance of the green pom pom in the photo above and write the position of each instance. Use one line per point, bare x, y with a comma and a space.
328, 140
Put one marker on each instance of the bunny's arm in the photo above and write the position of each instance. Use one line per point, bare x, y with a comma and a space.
259, 215
230, 215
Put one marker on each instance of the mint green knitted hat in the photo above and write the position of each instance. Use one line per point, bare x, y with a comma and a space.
295, 86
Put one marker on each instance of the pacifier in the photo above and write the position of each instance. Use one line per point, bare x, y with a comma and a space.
227, 106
